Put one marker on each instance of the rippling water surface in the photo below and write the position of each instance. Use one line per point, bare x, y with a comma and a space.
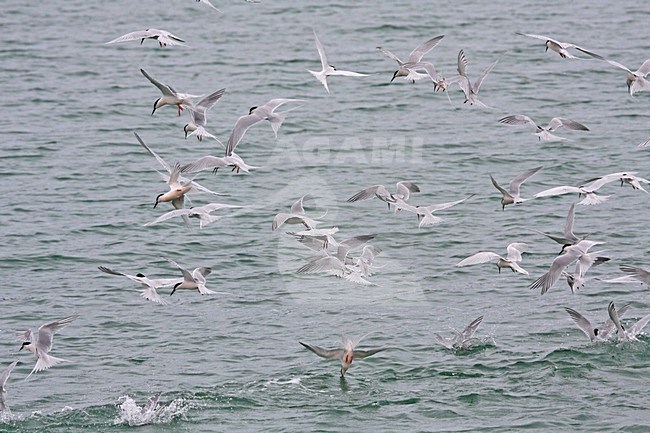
78, 189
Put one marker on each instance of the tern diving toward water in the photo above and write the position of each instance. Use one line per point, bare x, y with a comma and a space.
347, 354
512, 195
3, 390
199, 116
510, 261
560, 47
629, 334
163, 37
169, 95
544, 133
41, 344
327, 69
596, 335
408, 69
462, 339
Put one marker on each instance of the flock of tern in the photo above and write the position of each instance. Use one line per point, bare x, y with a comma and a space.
340, 260
575, 250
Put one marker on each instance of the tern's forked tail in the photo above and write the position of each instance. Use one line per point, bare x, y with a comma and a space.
44, 362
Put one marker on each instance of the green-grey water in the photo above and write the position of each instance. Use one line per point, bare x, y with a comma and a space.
77, 189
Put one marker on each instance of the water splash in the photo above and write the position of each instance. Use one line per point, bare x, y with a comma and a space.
293, 381
152, 412
6, 416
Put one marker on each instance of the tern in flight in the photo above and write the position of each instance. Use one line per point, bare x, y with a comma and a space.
327, 69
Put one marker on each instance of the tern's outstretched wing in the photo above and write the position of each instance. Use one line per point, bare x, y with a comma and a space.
322, 352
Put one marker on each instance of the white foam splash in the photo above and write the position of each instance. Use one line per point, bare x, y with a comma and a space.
6, 416
294, 381
152, 412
